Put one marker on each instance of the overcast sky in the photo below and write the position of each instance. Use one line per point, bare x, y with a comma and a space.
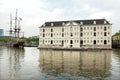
35, 12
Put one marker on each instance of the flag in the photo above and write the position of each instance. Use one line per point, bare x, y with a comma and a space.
20, 18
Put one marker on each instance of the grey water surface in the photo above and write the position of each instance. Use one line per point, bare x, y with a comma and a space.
30, 63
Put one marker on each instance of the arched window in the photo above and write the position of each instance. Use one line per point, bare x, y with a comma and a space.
71, 41
51, 41
94, 42
105, 28
81, 42
94, 33
105, 41
94, 28
51, 30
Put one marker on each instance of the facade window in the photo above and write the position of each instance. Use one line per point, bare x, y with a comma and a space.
84, 41
62, 43
81, 29
105, 41
91, 28
51, 41
71, 34
43, 35
51, 30
98, 27
62, 29
94, 33
43, 30
62, 34
105, 28
71, 41
81, 42
81, 34
94, 28
71, 28
84, 33
84, 28
43, 41
87, 28
87, 41
98, 41
88, 33
91, 41
105, 34
75, 41
51, 35
94, 42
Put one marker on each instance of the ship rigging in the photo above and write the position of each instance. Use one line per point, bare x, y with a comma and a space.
15, 40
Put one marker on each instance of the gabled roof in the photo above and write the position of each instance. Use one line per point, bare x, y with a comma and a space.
85, 22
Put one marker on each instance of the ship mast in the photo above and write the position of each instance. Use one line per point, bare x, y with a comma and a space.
15, 29
19, 28
10, 31
15, 32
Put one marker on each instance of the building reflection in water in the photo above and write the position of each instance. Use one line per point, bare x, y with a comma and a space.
117, 53
16, 57
75, 63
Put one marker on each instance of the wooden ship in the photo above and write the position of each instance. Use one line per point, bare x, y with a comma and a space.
14, 33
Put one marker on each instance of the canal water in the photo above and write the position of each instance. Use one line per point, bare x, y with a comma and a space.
31, 63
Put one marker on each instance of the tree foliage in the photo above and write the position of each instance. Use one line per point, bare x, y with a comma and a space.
117, 33
3, 39
32, 39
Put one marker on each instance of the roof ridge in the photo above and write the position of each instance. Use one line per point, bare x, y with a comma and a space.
76, 20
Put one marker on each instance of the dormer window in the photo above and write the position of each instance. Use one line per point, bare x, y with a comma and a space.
43, 24
94, 22
81, 23
105, 22
63, 24
51, 24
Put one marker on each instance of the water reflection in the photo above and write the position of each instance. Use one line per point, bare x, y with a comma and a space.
75, 63
117, 53
15, 60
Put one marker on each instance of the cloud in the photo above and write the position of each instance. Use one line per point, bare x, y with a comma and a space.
101, 14
35, 12
32, 12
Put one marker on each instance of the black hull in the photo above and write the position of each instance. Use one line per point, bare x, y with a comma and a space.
19, 45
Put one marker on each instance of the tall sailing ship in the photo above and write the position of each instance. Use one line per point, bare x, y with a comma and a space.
15, 40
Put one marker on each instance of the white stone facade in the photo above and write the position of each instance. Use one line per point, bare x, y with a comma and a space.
78, 34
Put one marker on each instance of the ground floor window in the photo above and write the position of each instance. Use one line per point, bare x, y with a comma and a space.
71, 41
51, 41
62, 42
105, 41
81, 42
94, 42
